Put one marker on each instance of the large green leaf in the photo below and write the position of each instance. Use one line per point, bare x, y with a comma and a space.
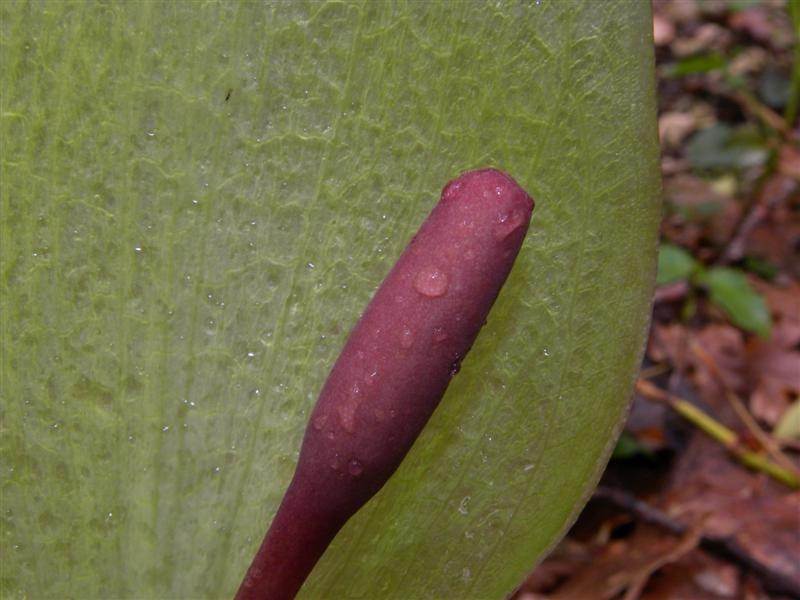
197, 202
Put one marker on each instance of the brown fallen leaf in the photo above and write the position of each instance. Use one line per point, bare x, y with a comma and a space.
673, 127
789, 161
775, 235
663, 30
624, 565
698, 213
774, 364
686, 11
724, 343
696, 575
777, 383
750, 60
705, 38
762, 24
732, 502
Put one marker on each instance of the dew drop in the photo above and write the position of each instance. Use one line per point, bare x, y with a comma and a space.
407, 338
431, 282
455, 367
347, 416
253, 576
355, 468
463, 506
546, 352
439, 335
451, 189
508, 223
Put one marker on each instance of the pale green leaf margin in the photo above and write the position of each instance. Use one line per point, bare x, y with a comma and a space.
179, 271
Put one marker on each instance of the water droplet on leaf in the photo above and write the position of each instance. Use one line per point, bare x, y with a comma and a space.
407, 338
455, 367
431, 282
463, 506
508, 223
355, 468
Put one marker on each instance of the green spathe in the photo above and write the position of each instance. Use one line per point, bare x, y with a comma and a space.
198, 201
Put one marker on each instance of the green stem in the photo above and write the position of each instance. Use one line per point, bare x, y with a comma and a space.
719, 432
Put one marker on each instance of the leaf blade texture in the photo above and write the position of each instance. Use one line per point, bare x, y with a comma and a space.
197, 203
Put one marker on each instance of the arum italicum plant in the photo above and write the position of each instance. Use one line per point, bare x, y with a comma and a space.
197, 203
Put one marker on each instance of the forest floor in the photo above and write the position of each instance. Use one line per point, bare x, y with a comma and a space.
701, 498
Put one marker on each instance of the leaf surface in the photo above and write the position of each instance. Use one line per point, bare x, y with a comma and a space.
198, 201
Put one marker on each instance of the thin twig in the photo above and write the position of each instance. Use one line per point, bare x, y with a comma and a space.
752, 105
760, 111
716, 430
759, 211
655, 370
671, 292
769, 443
690, 540
724, 547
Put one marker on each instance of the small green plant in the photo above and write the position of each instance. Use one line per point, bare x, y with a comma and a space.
728, 288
